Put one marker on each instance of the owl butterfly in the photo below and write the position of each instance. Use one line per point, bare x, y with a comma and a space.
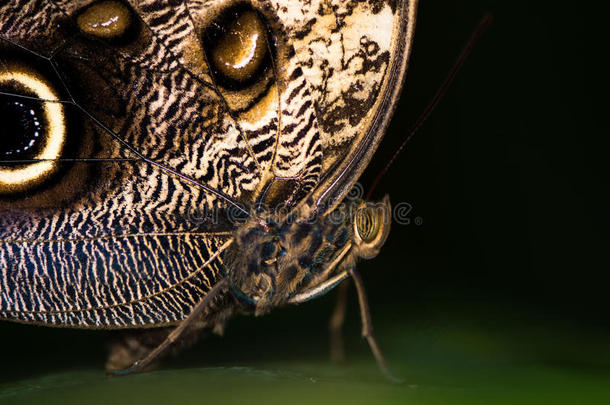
171, 163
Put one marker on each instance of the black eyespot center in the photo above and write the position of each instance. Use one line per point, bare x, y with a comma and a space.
24, 127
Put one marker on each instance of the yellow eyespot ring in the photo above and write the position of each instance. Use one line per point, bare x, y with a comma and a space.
20, 178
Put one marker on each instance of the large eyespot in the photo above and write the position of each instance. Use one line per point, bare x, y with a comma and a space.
33, 133
371, 227
237, 48
109, 20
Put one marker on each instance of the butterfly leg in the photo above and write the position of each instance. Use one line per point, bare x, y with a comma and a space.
130, 345
337, 319
367, 326
177, 332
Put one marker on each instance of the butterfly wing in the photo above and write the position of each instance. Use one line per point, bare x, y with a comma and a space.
354, 55
165, 131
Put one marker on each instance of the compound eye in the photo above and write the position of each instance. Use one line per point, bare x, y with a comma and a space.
371, 227
34, 130
237, 48
367, 224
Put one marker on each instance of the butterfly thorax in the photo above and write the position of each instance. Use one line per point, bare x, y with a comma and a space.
272, 261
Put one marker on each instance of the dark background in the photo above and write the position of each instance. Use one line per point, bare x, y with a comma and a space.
510, 172
509, 176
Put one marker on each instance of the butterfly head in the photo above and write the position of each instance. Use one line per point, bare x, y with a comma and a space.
273, 260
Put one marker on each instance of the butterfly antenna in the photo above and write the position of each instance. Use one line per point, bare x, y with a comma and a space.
483, 25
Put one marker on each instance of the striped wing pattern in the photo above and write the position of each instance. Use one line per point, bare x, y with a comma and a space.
131, 232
